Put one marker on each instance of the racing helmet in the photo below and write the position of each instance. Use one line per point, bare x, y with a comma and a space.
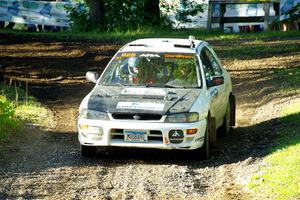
133, 65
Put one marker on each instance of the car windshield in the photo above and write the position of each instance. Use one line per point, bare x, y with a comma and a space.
152, 70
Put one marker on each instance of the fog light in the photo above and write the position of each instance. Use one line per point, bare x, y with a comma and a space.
83, 126
191, 131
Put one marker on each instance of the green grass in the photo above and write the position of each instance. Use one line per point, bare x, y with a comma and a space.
9, 122
257, 49
280, 177
149, 32
292, 77
33, 113
14, 113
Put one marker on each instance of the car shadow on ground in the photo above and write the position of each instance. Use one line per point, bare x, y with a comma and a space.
254, 141
56, 150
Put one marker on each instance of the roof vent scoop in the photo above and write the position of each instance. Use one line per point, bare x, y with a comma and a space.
191, 39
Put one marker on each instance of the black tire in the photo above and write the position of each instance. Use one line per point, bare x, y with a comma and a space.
205, 149
232, 109
225, 128
87, 151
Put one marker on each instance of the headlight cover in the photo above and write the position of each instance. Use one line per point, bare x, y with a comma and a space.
182, 118
93, 114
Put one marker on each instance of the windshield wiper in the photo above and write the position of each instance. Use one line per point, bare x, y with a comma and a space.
180, 87
114, 84
164, 86
173, 86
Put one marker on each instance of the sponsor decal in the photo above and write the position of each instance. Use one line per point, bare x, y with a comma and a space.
176, 136
128, 55
140, 106
150, 55
214, 92
144, 91
178, 56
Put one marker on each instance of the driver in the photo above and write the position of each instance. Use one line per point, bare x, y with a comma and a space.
133, 66
129, 72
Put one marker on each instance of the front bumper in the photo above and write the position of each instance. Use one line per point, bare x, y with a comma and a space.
110, 133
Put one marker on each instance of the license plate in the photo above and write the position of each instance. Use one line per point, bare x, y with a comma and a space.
135, 136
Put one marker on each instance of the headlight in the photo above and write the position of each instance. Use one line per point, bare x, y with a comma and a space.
182, 117
93, 114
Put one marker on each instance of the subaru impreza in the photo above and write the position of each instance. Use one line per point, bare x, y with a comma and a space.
158, 93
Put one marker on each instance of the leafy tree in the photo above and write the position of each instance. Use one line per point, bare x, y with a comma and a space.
152, 12
97, 12
130, 14
79, 16
293, 15
188, 8
123, 15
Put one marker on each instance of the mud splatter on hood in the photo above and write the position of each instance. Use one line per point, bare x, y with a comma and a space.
115, 99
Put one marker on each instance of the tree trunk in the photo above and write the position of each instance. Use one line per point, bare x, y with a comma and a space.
152, 12
96, 12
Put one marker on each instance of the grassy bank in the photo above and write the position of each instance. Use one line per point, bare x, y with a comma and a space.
292, 77
151, 32
17, 109
280, 175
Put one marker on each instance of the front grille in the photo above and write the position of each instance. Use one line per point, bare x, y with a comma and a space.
129, 116
153, 134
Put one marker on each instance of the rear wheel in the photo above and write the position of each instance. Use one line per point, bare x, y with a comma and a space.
87, 151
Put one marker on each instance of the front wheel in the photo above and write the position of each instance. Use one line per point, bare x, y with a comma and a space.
204, 151
225, 128
229, 118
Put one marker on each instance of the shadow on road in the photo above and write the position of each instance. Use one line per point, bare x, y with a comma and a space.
58, 150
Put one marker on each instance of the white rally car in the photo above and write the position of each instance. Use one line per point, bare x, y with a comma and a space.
158, 93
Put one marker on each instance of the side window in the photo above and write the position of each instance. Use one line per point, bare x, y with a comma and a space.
215, 63
211, 65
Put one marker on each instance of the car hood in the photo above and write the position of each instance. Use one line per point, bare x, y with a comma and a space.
115, 99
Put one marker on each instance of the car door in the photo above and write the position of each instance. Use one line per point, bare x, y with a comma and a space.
212, 68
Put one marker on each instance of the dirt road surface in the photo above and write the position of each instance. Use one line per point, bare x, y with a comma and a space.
47, 164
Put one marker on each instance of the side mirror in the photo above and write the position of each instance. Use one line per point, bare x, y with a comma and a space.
92, 76
217, 80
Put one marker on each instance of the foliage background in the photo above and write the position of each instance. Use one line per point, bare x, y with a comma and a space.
105, 15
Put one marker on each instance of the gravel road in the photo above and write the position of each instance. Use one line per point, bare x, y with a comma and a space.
46, 164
